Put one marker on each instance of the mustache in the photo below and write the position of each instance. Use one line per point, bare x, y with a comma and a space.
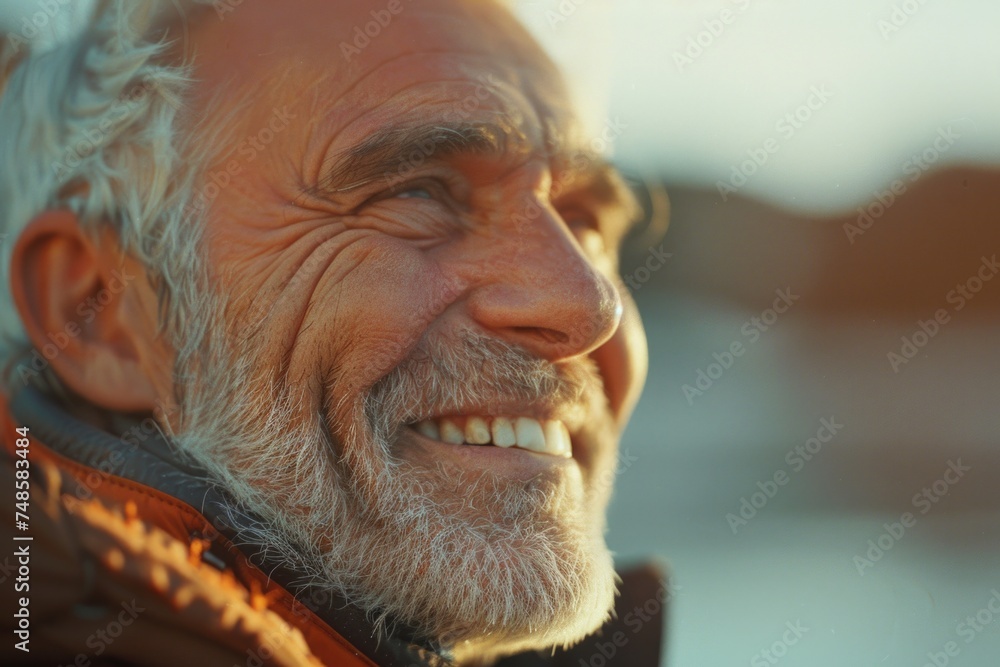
472, 369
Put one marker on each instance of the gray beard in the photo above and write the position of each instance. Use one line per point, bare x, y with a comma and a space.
476, 562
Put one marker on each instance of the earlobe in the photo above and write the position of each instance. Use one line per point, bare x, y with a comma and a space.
73, 299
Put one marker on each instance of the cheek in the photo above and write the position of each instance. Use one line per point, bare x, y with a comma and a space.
367, 321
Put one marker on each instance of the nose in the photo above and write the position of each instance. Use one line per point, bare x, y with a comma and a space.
542, 293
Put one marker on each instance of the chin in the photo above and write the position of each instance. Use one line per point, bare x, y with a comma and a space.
485, 564
500, 599
566, 612
481, 550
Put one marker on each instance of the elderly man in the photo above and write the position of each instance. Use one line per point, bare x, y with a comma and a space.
315, 347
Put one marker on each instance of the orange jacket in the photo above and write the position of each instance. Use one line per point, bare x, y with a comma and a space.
135, 556
116, 561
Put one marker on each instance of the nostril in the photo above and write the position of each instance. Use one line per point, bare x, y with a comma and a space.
550, 336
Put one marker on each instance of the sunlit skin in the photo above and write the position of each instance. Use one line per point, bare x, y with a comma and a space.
351, 280
347, 277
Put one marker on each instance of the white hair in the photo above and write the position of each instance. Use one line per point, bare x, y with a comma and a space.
474, 561
96, 125
92, 124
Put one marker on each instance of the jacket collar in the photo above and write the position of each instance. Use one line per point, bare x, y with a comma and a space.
140, 453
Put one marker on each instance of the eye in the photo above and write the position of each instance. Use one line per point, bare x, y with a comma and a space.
442, 198
414, 193
428, 189
586, 230
578, 222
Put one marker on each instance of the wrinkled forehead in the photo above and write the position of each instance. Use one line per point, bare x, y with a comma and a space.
383, 58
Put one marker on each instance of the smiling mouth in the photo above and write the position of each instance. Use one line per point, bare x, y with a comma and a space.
549, 436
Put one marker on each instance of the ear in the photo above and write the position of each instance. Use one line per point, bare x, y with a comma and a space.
86, 308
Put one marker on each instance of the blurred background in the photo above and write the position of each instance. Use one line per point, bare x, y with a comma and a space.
829, 495
844, 154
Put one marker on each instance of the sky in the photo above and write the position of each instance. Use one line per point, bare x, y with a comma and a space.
703, 86
879, 92
840, 97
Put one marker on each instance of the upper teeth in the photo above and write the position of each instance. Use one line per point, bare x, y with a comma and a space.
548, 437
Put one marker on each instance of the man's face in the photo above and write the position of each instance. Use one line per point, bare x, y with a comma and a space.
418, 258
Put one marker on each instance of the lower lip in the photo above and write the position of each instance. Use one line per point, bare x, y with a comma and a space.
509, 461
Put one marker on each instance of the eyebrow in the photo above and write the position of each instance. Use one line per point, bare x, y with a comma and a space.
387, 153
601, 180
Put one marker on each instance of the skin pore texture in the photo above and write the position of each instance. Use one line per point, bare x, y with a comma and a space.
408, 232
